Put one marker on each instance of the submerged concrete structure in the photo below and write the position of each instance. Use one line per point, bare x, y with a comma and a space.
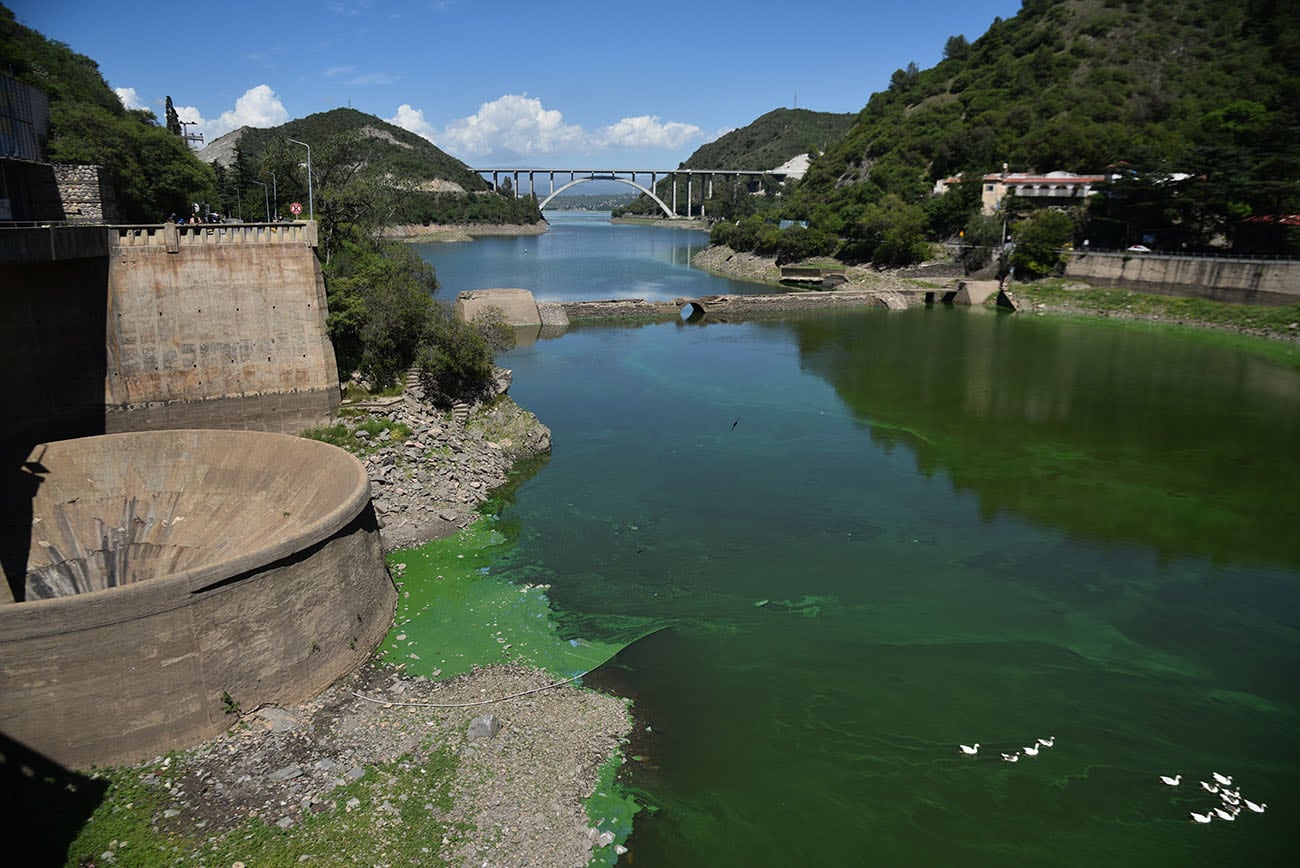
159, 581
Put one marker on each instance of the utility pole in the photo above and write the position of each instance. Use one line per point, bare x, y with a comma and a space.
189, 137
266, 200
311, 203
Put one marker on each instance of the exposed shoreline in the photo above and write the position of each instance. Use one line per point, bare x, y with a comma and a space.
457, 232
1073, 299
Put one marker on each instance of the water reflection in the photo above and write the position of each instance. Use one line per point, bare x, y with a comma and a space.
1092, 428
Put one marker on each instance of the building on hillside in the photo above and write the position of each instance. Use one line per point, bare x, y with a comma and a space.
1054, 188
943, 185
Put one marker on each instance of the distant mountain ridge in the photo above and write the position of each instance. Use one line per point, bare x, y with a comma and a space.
399, 154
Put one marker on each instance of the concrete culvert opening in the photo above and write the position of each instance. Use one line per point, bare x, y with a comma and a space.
173, 575
692, 311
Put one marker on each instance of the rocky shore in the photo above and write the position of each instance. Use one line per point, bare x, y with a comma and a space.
724, 262
526, 753
431, 484
460, 231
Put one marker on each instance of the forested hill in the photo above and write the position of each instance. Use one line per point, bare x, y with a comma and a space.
368, 169
767, 143
399, 154
151, 169
1205, 87
771, 140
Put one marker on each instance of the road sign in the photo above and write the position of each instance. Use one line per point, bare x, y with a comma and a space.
296, 208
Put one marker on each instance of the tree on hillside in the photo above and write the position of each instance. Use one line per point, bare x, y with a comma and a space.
153, 172
173, 119
1039, 239
380, 299
890, 232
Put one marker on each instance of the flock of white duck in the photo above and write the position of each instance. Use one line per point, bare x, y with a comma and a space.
1231, 801
1014, 756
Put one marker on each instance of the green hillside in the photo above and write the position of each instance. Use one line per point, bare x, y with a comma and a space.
396, 175
386, 148
771, 140
767, 143
1145, 89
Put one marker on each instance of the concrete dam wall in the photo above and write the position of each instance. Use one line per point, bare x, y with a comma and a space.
218, 326
1248, 281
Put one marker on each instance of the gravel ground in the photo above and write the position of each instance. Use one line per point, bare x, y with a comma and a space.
517, 796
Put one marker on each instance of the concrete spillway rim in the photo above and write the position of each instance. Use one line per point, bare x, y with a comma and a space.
198, 579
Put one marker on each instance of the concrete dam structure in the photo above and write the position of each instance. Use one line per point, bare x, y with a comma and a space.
128, 328
157, 581
171, 577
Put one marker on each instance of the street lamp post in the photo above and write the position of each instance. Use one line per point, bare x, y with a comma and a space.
311, 204
266, 200
275, 196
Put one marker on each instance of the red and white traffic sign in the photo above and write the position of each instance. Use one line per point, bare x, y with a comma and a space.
295, 208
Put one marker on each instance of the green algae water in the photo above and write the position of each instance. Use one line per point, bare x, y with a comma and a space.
876, 536
853, 542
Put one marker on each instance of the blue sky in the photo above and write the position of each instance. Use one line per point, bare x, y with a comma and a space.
569, 83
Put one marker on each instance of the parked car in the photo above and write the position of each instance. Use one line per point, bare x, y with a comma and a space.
1137, 248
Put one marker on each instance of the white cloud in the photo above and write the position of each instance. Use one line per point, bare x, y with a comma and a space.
412, 119
130, 99
519, 127
512, 126
258, 107
647, 131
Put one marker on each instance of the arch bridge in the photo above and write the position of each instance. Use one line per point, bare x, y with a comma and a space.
700, 180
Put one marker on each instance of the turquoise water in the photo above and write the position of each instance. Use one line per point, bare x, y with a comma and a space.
876, 536
583, 257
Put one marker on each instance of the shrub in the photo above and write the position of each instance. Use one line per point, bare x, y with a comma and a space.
455, 359
1039, 239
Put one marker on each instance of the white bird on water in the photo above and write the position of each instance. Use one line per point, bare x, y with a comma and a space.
970, 749
1258, 809
1011, 757
1174, 781
1209, 788
1047, 742
1201, 818
1224, 815
1032, 750
1222, 779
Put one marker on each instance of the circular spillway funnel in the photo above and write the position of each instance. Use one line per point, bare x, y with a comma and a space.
174, 575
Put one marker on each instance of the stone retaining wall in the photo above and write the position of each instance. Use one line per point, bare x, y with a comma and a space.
85, 196
1247, 281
